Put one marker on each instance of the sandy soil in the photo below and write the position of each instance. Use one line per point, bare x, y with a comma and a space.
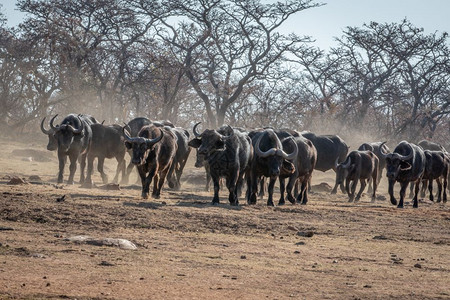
189, 249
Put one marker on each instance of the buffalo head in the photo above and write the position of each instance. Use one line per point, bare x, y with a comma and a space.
396, 162
208, 142
52, 142
274, 157
141, 146
343, 169
67, 131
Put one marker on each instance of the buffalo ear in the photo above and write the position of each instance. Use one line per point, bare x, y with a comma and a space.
195, 143
128, 145
405, 166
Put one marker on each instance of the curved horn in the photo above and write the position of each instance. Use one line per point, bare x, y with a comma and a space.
195, 130
383, 154
347, 164
155, 140
77, 130
127, 135
51, 124
406, 157
43, 129
290, 156
261, 153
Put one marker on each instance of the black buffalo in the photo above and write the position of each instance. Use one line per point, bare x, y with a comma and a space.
329, 148
227, 156
437, 168
303, 164
270, 160
377, 148
181, 157
133, 127
358, 166
107, 142
406, 164
153, 152
74, 136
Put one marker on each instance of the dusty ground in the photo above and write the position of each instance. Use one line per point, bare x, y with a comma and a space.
188, 249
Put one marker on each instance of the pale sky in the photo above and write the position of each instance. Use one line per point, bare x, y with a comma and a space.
328, 21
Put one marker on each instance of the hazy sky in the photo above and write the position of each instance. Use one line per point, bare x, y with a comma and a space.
325, 22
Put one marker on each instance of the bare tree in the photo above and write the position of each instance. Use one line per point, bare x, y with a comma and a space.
225, 45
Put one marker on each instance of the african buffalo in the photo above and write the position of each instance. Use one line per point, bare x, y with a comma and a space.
74, 136
376, 148
227, 156
329, 148
358, 166
153, 152
437, 168
269, 160
107, 142
407, 163
303, 163
181, 157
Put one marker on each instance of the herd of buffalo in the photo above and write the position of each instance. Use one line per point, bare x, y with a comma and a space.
160, 150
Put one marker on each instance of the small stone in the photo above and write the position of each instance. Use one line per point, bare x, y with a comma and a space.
367, 286
243, 257
418, 266
296, 252
48, 284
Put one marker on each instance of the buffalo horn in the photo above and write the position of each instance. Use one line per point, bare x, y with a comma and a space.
43, 129
286, 156
127, 135
195, 130
77, 130
406, 157
53, 126
347, 163
156, 139
261, 153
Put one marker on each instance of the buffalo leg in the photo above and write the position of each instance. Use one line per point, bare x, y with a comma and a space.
146, 181
416, 193
425, 184
439, 184
155, 185
430, 189
253, 187
403, 186
361, 189
261, 188
161, 178
208, 179
411, 188
100, 169
444, 191
352, 192
347, 186
72, 168
302, 197
375, 186
270, 191
120, 168
290, 186
232, 187
62, 163
216, 182
90, 167
391, 191
82, 167
370, 188
282, 190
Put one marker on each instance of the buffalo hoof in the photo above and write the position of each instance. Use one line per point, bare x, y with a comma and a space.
357, 199
215, 202
393, 201
87, 185
71, 182
236, 203
270, 203
399, 206
171, 185
333, 192
373, 200
291, 199
304, 202
144, 196
281, 202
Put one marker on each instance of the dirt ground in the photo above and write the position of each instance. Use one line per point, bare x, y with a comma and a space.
189, 249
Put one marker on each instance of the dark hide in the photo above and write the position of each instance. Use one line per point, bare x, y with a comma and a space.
329, 148
153, 152
404, 165
107, 142
359, 166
